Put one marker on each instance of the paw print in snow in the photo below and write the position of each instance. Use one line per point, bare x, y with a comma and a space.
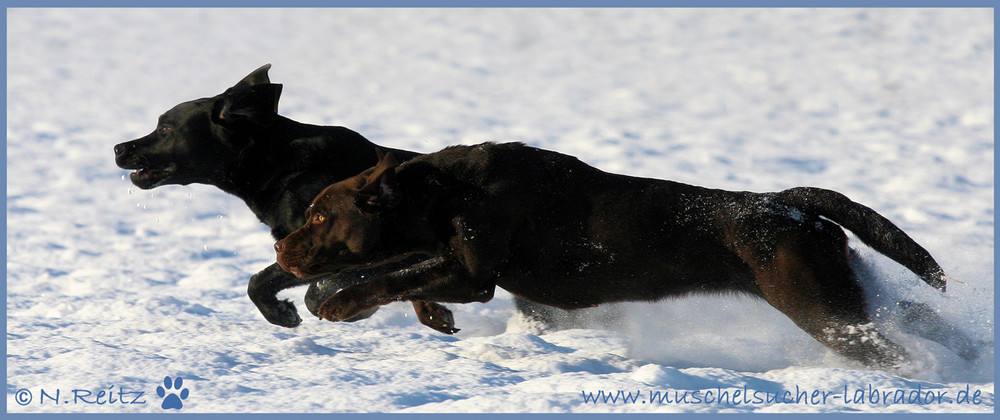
169, 390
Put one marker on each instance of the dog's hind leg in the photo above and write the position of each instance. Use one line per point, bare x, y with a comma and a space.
814, 286
922, 321
541, 317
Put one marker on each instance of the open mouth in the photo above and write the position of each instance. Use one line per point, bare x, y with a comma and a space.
147, 178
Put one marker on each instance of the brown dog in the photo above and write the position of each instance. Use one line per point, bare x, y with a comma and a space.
554, 230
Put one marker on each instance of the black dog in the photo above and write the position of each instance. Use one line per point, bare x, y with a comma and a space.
554, 230
237, 142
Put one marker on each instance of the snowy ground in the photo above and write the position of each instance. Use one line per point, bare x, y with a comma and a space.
113, 288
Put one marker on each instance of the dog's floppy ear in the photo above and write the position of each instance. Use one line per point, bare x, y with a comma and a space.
244, 107
257, 77
381, 190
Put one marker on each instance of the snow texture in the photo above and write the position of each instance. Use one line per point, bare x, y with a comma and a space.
114, 288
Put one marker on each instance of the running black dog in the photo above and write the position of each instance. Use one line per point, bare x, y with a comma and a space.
237, 142
549, 228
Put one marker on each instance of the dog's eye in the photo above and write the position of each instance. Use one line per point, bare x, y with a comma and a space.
163, 129
318, 218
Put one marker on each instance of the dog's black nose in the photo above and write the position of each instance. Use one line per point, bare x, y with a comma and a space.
123, 148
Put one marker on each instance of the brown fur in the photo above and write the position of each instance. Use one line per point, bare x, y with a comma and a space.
556, 231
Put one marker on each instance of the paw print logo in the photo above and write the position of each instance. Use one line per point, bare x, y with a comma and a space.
169, 392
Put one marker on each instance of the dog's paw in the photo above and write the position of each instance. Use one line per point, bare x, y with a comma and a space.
365, 314
436, 316
282, 313
321, 291
344, 306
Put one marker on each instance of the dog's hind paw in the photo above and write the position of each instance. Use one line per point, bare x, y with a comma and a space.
921, 320
282, 313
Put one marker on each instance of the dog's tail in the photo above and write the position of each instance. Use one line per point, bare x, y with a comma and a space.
872, 228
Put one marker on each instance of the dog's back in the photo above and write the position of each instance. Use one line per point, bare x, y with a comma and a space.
281, 174
572, 224
556, 218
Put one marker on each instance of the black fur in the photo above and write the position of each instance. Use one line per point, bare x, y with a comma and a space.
237, 142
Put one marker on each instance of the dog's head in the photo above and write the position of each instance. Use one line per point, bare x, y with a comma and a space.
199, 141
344, 224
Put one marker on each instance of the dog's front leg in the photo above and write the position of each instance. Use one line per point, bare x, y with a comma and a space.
263, 289
435, 316
439, 279
430, 314
325, 287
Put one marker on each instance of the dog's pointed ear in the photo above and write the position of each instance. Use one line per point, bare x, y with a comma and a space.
381, 190
248, 107
257, 77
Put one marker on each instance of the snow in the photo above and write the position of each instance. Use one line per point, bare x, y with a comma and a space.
111, 287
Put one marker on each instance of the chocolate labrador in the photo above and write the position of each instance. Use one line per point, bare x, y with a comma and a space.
549, 228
